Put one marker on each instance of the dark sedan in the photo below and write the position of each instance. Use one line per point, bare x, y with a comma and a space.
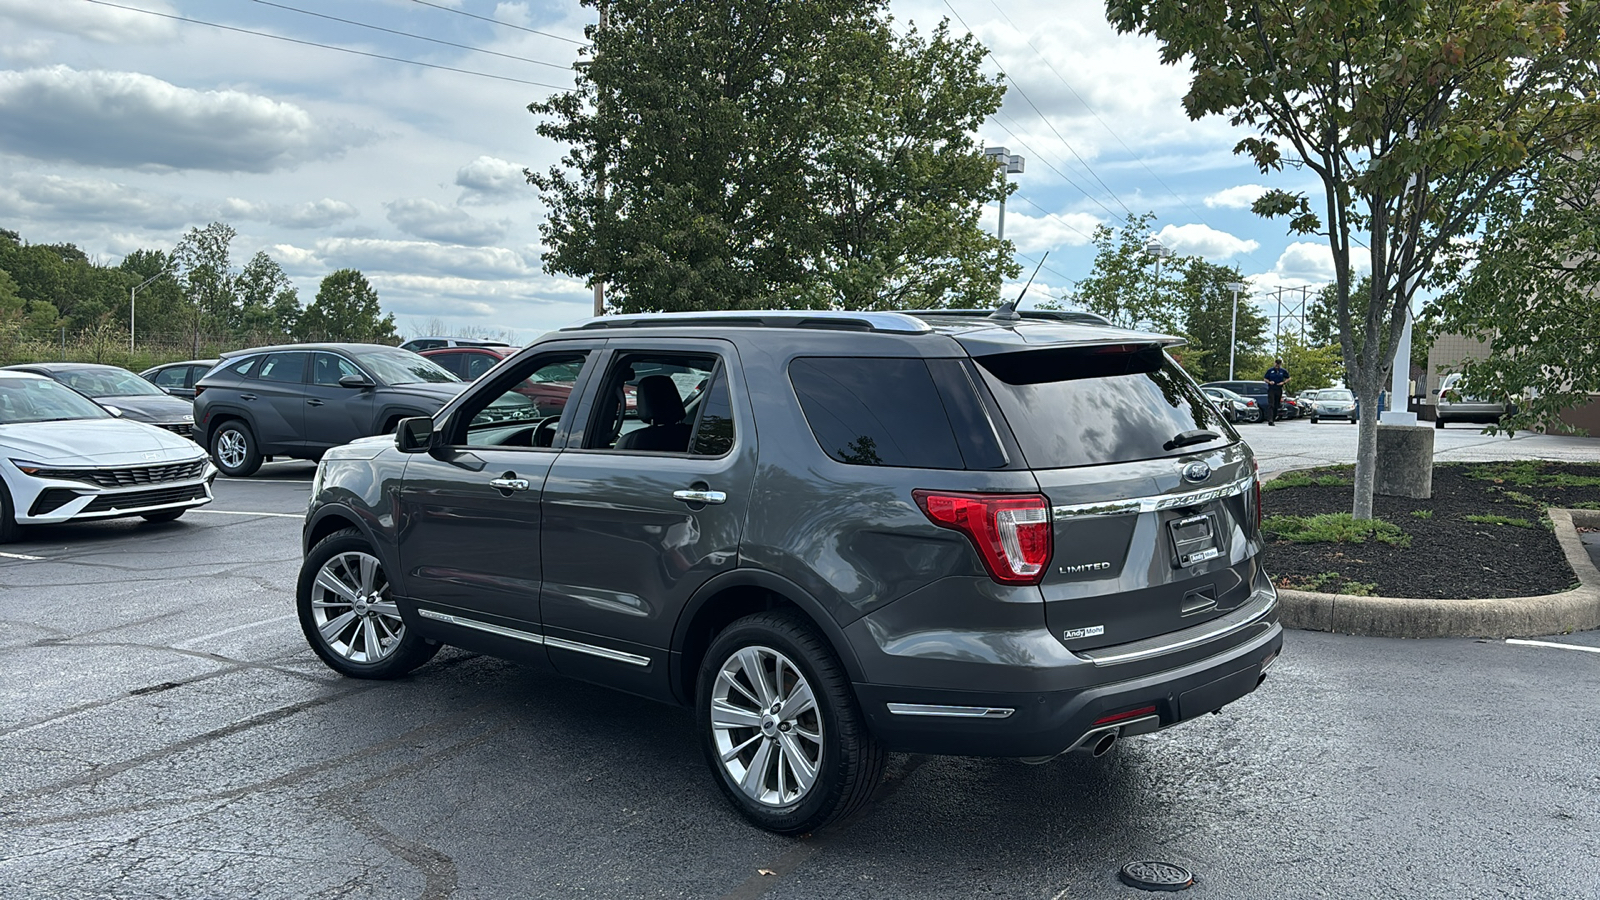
178, 378
121, 392
298, 400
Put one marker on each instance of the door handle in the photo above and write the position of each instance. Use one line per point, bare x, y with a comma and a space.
314, 402
700, 496
510, 484
247, 396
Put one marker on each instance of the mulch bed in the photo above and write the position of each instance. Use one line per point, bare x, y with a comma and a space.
1447, 556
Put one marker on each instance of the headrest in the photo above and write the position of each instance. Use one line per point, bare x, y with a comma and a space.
658, 401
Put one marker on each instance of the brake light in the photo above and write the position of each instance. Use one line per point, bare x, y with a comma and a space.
1011, 532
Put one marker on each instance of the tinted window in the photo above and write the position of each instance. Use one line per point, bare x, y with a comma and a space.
327, 369
1090, 406
713, 434
171, 378
450, 362
283, 368
420, 345
876, 412
476, 364
244, 368
395, 366
106, 382
648, 402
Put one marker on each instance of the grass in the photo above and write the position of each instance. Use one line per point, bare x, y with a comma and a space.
1422, 513
1525, 473
1498, 520
1330, 582
1306, 479
1335, 528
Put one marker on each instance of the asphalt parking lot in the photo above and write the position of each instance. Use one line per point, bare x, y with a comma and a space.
165, 732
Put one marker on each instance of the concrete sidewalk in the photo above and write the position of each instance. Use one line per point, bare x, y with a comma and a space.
1298, 444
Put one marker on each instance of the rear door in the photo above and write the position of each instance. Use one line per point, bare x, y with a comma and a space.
275, 397
1151, 491
648, 507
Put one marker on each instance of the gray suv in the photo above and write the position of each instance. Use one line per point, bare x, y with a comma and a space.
832, 535
297, 400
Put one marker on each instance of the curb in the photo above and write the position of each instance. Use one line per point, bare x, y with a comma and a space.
1400, 617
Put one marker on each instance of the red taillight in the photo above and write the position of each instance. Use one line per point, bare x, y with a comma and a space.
1130, 714
1011, 532
198, 389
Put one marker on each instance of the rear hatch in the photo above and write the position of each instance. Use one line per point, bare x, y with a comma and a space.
1153, 495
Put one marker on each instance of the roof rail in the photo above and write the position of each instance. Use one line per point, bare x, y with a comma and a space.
835, 320
1075, 316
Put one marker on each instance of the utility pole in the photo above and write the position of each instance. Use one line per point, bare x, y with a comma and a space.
1233, 335
133, 293
1007, 164
600, 163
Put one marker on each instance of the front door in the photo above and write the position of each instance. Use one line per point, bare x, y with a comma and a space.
335, 414
470, 510
646, 508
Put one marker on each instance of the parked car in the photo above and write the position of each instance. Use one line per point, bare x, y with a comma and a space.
1454, 406
548, 390
64, 458
467, 363
1335, 403
178, 378
417, 345
121, 392
1257, 391
831, 534
297, 400
1235, 407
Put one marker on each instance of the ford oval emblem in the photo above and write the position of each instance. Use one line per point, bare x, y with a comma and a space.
1196, 472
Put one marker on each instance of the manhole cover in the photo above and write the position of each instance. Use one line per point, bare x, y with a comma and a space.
1152, 875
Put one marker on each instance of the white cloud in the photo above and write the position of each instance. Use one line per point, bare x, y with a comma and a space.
129, 120
1035, 234
1239, 197
105, 24
424, 218
53, 197
1203, 240
28, 52
488, 179
414, 257
322, 213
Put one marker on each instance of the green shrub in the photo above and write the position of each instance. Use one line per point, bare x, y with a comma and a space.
1335, 528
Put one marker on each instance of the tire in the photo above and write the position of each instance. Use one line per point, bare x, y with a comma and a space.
340, 577
233, 448
166, 515
1438, 423
829, 735
1314, 420
9, 529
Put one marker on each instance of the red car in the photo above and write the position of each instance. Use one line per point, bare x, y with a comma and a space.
550, 397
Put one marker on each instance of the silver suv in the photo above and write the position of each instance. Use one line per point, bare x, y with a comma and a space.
831, 535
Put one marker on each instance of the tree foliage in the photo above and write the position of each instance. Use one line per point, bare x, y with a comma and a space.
1413, 116
347, 309
1532, 284
737, 153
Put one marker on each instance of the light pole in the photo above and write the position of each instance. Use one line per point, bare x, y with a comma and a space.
1160, 251
1233, 335
133, 294
1008, 165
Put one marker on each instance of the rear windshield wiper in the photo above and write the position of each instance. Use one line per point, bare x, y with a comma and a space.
1196, 436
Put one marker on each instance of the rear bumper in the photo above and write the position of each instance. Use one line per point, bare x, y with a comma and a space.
988, 723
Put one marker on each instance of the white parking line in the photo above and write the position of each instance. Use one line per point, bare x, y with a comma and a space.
1553, 644
22, 556
240, 512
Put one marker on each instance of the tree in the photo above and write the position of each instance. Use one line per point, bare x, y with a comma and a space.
1412, 116
1123, 284
268, 302
205, 274
1310, 366
737, 153
1532, 284
346, 309
1207, 309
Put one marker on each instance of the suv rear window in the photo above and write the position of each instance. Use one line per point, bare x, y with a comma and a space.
1086, 406
913, 413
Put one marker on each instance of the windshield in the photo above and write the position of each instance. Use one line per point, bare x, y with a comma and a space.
42, 400
106, 382
1335, 395
392, 365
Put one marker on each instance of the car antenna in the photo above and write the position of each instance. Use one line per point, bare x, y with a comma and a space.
1008, 310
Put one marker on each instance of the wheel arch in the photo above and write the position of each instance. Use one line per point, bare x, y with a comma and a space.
734, 595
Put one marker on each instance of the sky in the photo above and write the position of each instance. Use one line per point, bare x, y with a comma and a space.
121, 129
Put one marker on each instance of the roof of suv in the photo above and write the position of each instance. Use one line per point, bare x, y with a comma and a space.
995, 333
347, 347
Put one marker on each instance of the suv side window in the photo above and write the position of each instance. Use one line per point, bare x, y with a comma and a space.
896, 412
528, 410
472, 365
170, 378
283, 368
652, 403
245, 368
328, 368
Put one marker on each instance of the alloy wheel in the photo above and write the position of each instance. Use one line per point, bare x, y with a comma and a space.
352, 609
766, 726
231, 448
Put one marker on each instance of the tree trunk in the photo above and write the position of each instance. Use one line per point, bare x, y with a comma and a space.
1366, 390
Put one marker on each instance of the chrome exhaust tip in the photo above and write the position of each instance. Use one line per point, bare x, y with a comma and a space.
1102, 745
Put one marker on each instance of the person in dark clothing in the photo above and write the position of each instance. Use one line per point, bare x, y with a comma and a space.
1277, 377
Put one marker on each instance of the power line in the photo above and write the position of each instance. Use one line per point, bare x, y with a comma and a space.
1075, 229
279, 37
1051, 166
1045, 119
306, 12
460, 12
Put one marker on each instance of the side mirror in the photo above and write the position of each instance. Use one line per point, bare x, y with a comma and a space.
413, 435
113, 410
354, 381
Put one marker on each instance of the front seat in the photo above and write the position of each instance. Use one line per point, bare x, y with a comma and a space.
661, 407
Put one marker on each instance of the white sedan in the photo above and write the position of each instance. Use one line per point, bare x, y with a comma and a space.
63, 458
